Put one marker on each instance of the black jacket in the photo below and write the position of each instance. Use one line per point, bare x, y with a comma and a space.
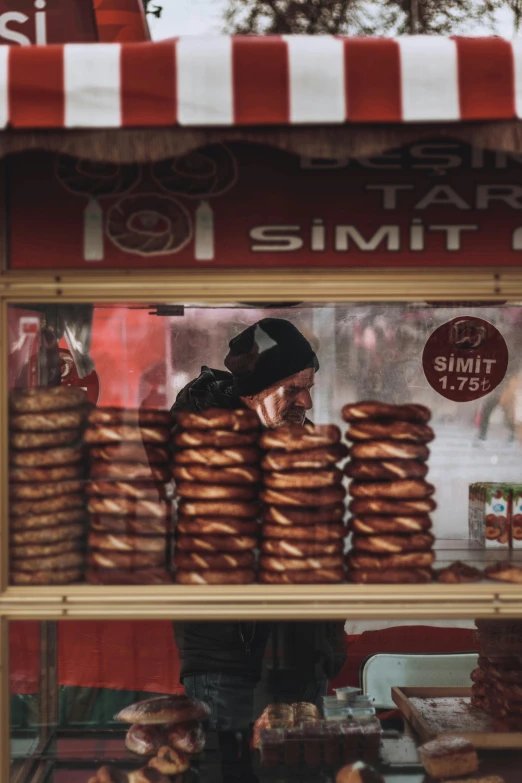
310, 651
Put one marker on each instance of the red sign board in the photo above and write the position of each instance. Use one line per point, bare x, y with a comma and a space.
465, 359
429, 205
25, 22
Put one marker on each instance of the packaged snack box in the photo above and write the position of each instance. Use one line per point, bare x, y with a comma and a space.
490, 514
516, 516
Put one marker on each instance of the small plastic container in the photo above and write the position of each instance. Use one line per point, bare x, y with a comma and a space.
335, 713
332, 744
271, 747
351, 741
347, 693
361, 714
361, 701
292, 746
330, 701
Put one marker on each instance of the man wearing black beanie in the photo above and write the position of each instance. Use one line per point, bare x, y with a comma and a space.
272, 368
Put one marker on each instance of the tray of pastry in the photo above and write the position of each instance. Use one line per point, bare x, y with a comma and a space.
435, 712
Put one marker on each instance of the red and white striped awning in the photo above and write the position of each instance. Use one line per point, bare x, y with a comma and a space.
223, 81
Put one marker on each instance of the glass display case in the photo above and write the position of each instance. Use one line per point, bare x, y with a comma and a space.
195, 431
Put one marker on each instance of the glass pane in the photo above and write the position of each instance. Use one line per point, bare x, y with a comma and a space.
92, 494
306, 700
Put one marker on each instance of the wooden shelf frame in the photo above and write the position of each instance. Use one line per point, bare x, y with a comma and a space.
210, 286
264, 602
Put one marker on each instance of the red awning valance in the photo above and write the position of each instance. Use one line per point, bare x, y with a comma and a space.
260, 81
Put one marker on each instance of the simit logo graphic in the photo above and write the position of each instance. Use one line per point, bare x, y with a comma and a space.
25, 29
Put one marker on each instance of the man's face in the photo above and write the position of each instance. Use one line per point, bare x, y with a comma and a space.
286, 402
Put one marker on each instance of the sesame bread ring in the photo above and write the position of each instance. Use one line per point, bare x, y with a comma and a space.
409, 488
357, 411
122, 542
21, 508
195, 491
49, 563
216, 526
299, 479
416, 542
46, 398
146, 490
389, 449
106, 559
459, 573
313, 459
47, 535
45, 458
370, 525
380, 506
30, 475
129, 507
43, 491
318, 576
67, 517
391, 576
223, 561
283, 548
130, 416
269, 563
217, 439
217, 457
43, 440
235, 474
316, 533
504, 675
284, 515
130, 471
120, 576
402, 560
218, 509
303, 497
300, 437
145, 526
48, 422
141, 453
215, 543
504, 572
219, 419
403, 431
45, 550
238, 576
67, 576
385, 470
125, 432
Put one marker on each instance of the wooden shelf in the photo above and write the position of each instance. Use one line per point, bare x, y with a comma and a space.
261, 602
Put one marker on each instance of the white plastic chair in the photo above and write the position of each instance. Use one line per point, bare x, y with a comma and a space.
380, 672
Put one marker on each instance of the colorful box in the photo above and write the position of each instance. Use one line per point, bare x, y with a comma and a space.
490, 511
516, 516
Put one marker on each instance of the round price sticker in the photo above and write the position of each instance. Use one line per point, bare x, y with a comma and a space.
465, 359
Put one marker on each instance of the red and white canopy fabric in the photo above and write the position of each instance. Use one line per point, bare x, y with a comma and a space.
263, 81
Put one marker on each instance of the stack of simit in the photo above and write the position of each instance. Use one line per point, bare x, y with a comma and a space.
216, 469
129, 496
303, 531
391, 500
47, 504
497, 682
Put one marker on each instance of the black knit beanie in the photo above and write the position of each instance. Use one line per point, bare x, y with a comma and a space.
267, 352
